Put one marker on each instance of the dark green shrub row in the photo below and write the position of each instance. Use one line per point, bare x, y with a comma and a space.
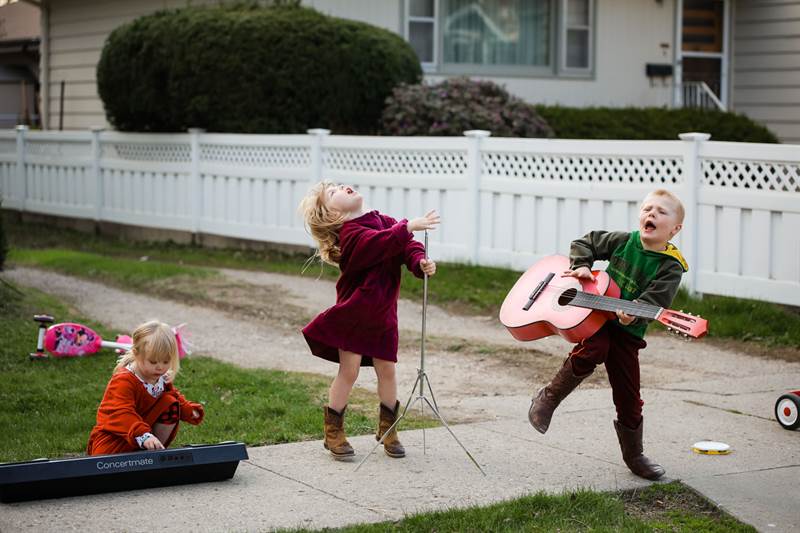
651, 123
245, 68
459, 104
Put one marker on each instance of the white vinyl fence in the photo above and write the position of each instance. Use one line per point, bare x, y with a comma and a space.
504, 202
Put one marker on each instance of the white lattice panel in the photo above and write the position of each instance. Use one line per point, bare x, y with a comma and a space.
56, 149
761, 175
262, 156
580, 168
152, 152
396, 161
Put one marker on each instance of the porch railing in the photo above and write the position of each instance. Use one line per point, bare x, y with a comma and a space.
699, 94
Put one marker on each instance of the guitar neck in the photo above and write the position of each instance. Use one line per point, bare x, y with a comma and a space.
606, 303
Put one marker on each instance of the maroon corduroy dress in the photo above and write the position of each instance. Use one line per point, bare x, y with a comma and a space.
364, 319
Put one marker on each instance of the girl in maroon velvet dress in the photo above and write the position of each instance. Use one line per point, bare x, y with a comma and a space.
361, 329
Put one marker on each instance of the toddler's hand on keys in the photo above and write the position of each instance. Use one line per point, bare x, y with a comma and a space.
580, 273
428, 267
429, 221
169, 376
153, 444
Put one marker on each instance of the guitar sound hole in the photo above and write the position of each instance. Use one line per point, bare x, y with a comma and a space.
567, 296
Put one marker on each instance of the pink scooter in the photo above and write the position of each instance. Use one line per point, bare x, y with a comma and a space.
69, 339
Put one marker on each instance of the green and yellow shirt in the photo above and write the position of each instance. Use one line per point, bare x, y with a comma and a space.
642, 275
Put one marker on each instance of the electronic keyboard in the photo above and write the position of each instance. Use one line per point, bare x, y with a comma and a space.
57, 478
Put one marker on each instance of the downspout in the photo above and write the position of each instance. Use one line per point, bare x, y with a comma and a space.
677, 65
726, 85
44, 63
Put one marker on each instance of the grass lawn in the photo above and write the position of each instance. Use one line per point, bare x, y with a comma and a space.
459, 288
660, 507
49, 406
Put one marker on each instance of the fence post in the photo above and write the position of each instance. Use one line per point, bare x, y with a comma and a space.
474, 173
194, 180
21, 173
317, 137
692, 173
98, 177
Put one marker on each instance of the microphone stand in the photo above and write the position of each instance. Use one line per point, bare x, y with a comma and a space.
422, 380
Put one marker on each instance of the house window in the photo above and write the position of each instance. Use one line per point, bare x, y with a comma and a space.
502, 37
421, 18
496, 32
577, 35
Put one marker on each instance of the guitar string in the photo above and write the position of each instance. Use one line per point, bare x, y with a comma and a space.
609, 302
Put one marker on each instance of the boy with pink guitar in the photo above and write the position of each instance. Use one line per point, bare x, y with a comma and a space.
647, 268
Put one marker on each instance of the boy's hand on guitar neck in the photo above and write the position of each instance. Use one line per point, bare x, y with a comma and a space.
624, 319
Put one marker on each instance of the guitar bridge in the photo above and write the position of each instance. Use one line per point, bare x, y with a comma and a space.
538, 290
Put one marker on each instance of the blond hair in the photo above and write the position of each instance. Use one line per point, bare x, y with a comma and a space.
675, 200
151, 339
322, 223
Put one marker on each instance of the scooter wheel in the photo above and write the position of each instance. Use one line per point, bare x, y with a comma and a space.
787, 411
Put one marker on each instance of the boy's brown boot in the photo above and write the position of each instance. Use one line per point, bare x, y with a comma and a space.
391, 444
549, 396
335, 440
630, 442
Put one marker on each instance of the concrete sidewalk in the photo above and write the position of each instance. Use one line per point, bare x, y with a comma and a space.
298, 485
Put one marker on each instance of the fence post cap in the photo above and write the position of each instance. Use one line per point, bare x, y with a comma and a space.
477, 133
318, 131
195, 130
96, 129
22, 127
694, 136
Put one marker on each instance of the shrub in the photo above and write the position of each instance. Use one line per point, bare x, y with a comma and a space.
244, 68
651, 123
459, 104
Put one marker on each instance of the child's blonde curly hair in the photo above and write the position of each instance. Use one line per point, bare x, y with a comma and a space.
153, 339
322, 223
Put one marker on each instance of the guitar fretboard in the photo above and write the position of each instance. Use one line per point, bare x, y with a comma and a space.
606, 303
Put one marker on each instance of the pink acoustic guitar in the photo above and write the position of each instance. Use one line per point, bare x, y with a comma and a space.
543, 303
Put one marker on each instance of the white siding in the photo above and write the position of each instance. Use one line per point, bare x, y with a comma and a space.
766, 65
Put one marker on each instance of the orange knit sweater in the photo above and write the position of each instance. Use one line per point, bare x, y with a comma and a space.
128, 411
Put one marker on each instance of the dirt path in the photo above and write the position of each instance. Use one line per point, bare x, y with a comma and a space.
255, 318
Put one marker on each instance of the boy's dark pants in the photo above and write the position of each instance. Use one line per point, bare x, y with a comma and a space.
619, 350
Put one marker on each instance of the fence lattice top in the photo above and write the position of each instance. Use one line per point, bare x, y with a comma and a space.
762, 175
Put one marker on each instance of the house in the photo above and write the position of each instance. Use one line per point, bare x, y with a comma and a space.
742, 55
19, 64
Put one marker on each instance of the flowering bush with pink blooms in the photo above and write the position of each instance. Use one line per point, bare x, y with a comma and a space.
459, 104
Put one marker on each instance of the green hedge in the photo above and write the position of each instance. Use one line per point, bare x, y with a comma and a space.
651, 123
244, 68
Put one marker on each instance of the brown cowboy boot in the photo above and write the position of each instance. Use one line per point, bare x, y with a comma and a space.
630, 442
549, 396
391, 444
335, 439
